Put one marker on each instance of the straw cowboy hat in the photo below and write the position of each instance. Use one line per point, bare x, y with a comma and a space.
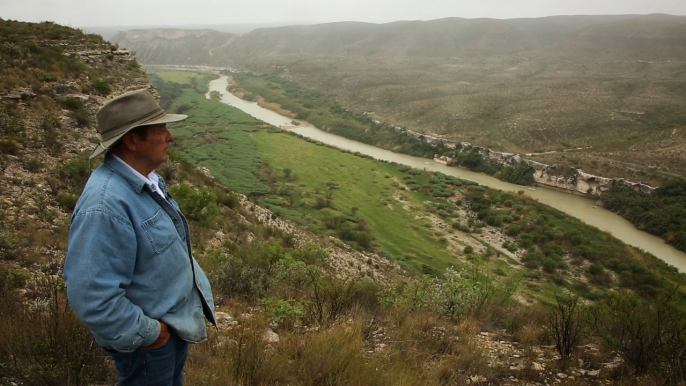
126, 112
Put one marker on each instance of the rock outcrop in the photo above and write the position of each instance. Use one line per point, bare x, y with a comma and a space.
578, 182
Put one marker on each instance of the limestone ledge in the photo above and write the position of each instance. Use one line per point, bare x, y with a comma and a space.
578, 182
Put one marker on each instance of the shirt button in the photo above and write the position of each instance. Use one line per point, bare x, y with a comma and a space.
176, 219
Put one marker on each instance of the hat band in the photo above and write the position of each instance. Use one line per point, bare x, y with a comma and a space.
142, 119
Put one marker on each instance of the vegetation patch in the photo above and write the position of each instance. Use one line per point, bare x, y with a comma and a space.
662, 213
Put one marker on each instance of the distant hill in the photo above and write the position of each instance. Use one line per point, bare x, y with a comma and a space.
656, 38
614, 86
174, 45
659, 37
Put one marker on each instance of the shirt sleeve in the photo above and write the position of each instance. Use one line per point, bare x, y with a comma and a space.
100, 264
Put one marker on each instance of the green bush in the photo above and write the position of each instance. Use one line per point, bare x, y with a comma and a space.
67, 200
281, 312
9, 147
327, 299
8, 246
9, 124
77, 67
76, 171
648, 335
461, 227
662, 213
196, 205
101, 86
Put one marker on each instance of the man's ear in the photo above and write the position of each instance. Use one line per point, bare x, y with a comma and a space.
130, 141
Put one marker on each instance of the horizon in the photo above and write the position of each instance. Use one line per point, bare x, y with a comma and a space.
181, 13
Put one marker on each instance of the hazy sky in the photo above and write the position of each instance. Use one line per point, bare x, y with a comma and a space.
91, 13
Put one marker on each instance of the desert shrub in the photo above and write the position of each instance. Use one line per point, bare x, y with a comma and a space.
101, 86
67, 200
76, 171
77, 67
281, 313
182, 108
8, 245
169, 171
49, 123
240, 276
295, 274
228, 200
460, 293
33, 164
9, 147
648, 335
564, 324
461, 227
81, 117
454, 295
237, 279
9, 124
336, 357
328, 298
510, 246
44, 344
197, 205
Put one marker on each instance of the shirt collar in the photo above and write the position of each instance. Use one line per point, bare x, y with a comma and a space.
152, 179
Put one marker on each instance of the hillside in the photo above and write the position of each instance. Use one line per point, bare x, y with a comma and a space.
174, 45
610, 88
53, 79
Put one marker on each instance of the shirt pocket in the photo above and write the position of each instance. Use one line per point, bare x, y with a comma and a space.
160, 231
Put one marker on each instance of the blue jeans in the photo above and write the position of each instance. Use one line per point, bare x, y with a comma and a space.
159, 367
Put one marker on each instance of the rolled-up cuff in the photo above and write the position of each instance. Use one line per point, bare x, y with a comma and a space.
151, 333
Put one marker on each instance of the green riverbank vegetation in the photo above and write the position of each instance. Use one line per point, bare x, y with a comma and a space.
662, 213
325, 113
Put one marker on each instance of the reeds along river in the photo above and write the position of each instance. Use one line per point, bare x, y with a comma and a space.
579, 207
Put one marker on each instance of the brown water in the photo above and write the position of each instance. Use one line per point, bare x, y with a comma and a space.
577, 206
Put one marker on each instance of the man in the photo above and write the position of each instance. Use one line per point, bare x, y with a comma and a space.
131, 277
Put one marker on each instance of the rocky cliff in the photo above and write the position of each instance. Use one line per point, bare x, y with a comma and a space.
53, 79
576, 182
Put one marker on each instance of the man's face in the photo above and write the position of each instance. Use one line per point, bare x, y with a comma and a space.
153, 150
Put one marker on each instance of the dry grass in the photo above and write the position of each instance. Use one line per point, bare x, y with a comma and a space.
43, 343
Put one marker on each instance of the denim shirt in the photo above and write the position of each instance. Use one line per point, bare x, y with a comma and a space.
129, 263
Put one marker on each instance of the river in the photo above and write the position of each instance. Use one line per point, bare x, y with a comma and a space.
577, 206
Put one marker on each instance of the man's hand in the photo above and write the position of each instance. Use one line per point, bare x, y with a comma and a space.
162, 339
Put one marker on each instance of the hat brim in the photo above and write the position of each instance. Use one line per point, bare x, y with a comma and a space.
106, 145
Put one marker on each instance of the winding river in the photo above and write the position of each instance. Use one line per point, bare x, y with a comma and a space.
577, 206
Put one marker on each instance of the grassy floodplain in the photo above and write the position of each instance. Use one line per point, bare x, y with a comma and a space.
358, 187
424, 221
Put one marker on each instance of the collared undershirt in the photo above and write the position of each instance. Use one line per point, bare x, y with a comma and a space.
152, 180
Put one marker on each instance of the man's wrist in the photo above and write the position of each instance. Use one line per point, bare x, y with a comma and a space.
152, 331
162, 337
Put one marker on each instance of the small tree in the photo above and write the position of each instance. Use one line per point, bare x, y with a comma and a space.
648, 335
564, 324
